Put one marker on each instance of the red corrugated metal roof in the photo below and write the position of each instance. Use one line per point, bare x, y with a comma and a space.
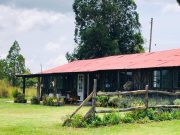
169, 58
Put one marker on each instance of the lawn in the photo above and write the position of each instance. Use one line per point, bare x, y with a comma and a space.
26, 119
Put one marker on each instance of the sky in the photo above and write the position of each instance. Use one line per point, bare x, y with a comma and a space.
45, 28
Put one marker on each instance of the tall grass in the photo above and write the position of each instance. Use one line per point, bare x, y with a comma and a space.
6, 90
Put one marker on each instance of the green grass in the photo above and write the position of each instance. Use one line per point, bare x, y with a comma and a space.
26, 119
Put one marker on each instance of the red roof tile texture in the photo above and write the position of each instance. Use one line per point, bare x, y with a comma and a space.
169, 58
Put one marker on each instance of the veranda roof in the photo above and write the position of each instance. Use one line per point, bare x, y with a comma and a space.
168, 58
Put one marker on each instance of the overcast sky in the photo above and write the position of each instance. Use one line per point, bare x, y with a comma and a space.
45, 28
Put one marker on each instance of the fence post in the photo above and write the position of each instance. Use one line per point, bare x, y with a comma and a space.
146, 96
94, 97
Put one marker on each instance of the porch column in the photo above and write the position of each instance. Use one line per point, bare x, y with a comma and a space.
38, 87
87, 85
118, 81
24, 85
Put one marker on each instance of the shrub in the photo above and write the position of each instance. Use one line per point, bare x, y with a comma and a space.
93, 122
125, 101
20, 98
15, 93
114, 101
52, 101
35, 100
163, 116
111, 119
76, 121
141, 114
177, 102
102, 101
156, 115
127, 119
159, 100
176, 114
144, 120
120, 102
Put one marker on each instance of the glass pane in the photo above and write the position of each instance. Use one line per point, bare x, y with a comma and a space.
156, 79
176, 79
166, 79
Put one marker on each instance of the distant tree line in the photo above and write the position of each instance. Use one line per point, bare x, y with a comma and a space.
13, 65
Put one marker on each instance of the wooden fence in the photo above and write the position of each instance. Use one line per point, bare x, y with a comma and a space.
93, 111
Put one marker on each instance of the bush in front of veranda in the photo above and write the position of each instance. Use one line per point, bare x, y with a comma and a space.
18, 97
176, 102
133, 101
35, 100
139, 116
102, 101
53, 101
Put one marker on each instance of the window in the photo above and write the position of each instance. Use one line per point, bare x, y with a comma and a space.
176, 79
166, 79
110, 81
156, 79
129, 76
59, 82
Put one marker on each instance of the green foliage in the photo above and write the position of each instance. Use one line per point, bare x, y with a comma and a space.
177, 102
127, 119
102, 101
163, 116
106, 28
119, 102
19, 98
15, 93
15, 64
141, 114
159, 100
35, 100
176, 114
30, 82
3, 66
125, 102
111, 119
52, 101
76, 121
93, 122
144, 120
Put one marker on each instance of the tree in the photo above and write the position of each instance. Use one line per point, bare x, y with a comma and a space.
2, 69
178, 1
105, 27
15, 64
30, 82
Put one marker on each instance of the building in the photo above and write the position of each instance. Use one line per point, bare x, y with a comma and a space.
160, 70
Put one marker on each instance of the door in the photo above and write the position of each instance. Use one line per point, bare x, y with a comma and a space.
80, 86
